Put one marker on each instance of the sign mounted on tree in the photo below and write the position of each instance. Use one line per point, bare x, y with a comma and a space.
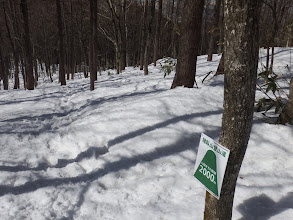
210, 166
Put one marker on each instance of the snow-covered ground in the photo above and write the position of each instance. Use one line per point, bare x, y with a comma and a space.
126, 151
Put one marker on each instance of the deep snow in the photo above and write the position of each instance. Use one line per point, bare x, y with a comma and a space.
126, 151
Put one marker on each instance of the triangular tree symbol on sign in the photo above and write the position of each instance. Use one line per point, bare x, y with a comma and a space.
206, 172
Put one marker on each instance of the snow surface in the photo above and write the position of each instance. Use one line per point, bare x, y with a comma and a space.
126, 151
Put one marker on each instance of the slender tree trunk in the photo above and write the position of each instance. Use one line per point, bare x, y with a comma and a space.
16, 73
2, 67
143, 34
3, 72
36, 72
123, 35
220, 69
241, 59
272, 58
93, 56
28, 47
61, 44
221, 29
158, 32
14, 50
148, 37
268, 58
214, 31
171, 30
72, 43
23, 72
189, 43
6, 73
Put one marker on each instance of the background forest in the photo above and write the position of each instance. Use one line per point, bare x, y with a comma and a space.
118, 33
116, 142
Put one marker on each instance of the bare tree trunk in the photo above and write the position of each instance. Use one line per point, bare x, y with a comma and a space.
16, 73
158, 33
93, 56
6, 72
189, 43
23, 72
171, 30
61, 44
220, 69
36, 71
122, 27
143, 34
214, 31
28, 47
241, 59
14, 50
268, 58
221, 28
148, 37
3, 69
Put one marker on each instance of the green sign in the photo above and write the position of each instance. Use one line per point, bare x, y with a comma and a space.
211, 164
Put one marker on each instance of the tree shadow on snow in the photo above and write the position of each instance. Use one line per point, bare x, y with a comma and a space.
262, 207
124, 163
174, 120
98, 151
32, 125
90, 152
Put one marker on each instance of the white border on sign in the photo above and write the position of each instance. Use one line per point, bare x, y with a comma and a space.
222, 155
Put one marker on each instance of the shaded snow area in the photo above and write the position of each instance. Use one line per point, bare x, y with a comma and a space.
126, 151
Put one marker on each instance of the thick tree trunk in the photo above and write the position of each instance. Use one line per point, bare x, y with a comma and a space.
189, 43
28, 47
240, 64
158, 32
286, 115
61, 44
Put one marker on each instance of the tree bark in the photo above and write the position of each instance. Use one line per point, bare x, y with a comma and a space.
189, 43
148, 37
92, 49
3, 69
143, 34
61, 45
14, 49
213, 32
240, 64
28, 47
221, 28
123, 33
158, 33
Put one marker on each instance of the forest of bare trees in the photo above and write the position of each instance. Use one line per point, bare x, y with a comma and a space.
41, 37
65, 37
